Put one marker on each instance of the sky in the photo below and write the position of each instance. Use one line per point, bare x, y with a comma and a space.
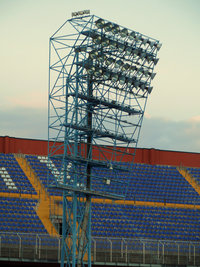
172, 116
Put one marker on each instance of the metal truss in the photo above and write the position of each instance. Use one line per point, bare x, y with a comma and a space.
99, 81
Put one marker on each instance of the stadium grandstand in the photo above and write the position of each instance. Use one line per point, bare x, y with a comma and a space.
156, 225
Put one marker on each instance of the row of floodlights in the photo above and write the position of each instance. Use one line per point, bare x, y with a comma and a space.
116, 77
123, 33
119, 64
127, 49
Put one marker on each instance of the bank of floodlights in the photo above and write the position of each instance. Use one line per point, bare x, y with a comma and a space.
121, 56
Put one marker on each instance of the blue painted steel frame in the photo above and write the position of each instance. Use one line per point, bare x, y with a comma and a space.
98, 88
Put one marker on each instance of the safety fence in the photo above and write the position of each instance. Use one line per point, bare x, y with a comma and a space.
45, 248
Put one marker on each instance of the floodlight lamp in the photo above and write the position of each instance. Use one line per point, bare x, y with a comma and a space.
135, 52
151, 43
144, 41
149, 89
132, 35
115, 29
121, 47
101, 58
109, 61
93, 54
142, 86
124, 33
97, 72
133, 68
112, 44
122, 80
138, 37
136, 83
145, 72
97, 39
100, 23
118, 63
155, 60
152, 75
142, 55
108, 27
158, 46
129, 82
128, 50
114, 77
125, 67
106, 75
105, 42
91, 70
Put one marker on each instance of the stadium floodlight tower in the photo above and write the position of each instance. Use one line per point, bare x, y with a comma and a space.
99, 80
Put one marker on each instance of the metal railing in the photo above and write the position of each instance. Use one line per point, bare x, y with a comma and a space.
45, 248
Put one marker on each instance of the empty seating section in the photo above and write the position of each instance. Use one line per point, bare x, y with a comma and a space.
195, 172
19, 215
129, 221
146, 183
12, 178
40, 166
160, 184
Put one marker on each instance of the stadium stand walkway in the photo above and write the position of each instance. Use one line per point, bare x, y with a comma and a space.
43, 208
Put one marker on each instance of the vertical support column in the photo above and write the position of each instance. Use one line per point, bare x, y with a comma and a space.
64, 218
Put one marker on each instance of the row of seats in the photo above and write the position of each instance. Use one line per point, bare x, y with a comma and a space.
19, 215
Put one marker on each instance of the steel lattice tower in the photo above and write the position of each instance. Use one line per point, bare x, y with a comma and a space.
99, 80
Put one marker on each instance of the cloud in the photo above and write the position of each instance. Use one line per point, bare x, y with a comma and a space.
166, 134
24, 122
159, 133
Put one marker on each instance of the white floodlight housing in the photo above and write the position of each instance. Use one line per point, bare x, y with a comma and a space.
122, 80
108, 27
149, 89
144, 41
124, 33
100, 23
106, 75
118, 63
101, 58
93, 54
109, 61
151, 43
142, 55
114, 77
129, 81
121, 47
115, 29
152, 75
112, 44
155, 60
105, 42
132, 35
142, 86
158, 45
138, 37
145, 72
135, 51
128, 50
97, 39
136, 84
97, 72
91, 70
125, 67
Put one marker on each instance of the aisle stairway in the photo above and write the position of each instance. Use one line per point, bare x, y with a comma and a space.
43, 209
184, 172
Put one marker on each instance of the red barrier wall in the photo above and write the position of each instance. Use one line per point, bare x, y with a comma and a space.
148, 156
